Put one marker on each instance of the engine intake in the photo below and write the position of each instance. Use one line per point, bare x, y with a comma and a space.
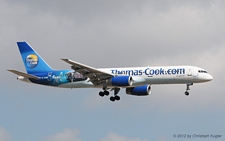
139, 90
120, 81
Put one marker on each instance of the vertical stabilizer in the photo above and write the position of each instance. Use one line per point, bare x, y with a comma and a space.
32, 60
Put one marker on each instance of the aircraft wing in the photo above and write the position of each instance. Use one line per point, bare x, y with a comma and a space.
24, 74
96, 76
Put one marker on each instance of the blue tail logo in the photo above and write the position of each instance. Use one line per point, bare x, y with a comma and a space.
32, 61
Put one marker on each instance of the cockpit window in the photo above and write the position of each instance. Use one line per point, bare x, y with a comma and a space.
202, 71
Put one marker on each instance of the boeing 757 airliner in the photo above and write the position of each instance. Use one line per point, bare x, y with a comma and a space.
136, 80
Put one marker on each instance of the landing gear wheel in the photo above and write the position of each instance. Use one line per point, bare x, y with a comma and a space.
101, 94
117, 98
106, 93
112, 98
186, 93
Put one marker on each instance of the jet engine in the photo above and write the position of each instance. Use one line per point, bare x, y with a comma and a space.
120, 81
139, 90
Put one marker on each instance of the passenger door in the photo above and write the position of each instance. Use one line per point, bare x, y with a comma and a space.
189, 72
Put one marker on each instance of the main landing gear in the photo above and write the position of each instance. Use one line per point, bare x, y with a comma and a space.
112, 98
103, 93
187, 89
115, 97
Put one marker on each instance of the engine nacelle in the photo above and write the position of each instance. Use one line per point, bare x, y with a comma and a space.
139, 90
120, 81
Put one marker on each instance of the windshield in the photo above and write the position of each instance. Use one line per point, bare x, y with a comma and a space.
202, 71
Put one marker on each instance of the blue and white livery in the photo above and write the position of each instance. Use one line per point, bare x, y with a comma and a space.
136, 80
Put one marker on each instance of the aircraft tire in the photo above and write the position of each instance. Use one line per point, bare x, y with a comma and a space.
112, 98
106, 93
101, 94
186, 93
117, 98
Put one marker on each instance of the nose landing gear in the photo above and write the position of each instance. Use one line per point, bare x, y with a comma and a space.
186, 93
188, 88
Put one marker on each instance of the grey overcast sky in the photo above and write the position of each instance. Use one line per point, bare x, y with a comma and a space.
112, 34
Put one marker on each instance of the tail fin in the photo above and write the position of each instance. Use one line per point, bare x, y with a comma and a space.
32, 61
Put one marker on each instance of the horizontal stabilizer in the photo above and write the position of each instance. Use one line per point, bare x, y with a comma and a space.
24, 74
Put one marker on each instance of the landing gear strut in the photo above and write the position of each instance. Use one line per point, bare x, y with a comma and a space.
188, 88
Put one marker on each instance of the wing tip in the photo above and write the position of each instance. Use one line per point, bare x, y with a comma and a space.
64, 59
10, 70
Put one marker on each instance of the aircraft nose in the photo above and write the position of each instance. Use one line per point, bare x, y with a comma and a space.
209, 77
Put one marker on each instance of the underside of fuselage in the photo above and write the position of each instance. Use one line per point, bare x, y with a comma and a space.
85, 83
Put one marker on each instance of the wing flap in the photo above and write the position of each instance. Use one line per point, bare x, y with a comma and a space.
24, 74
96, 76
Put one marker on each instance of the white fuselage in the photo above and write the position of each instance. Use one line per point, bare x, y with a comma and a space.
152, 75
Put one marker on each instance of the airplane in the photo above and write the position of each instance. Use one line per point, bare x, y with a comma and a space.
136, 80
